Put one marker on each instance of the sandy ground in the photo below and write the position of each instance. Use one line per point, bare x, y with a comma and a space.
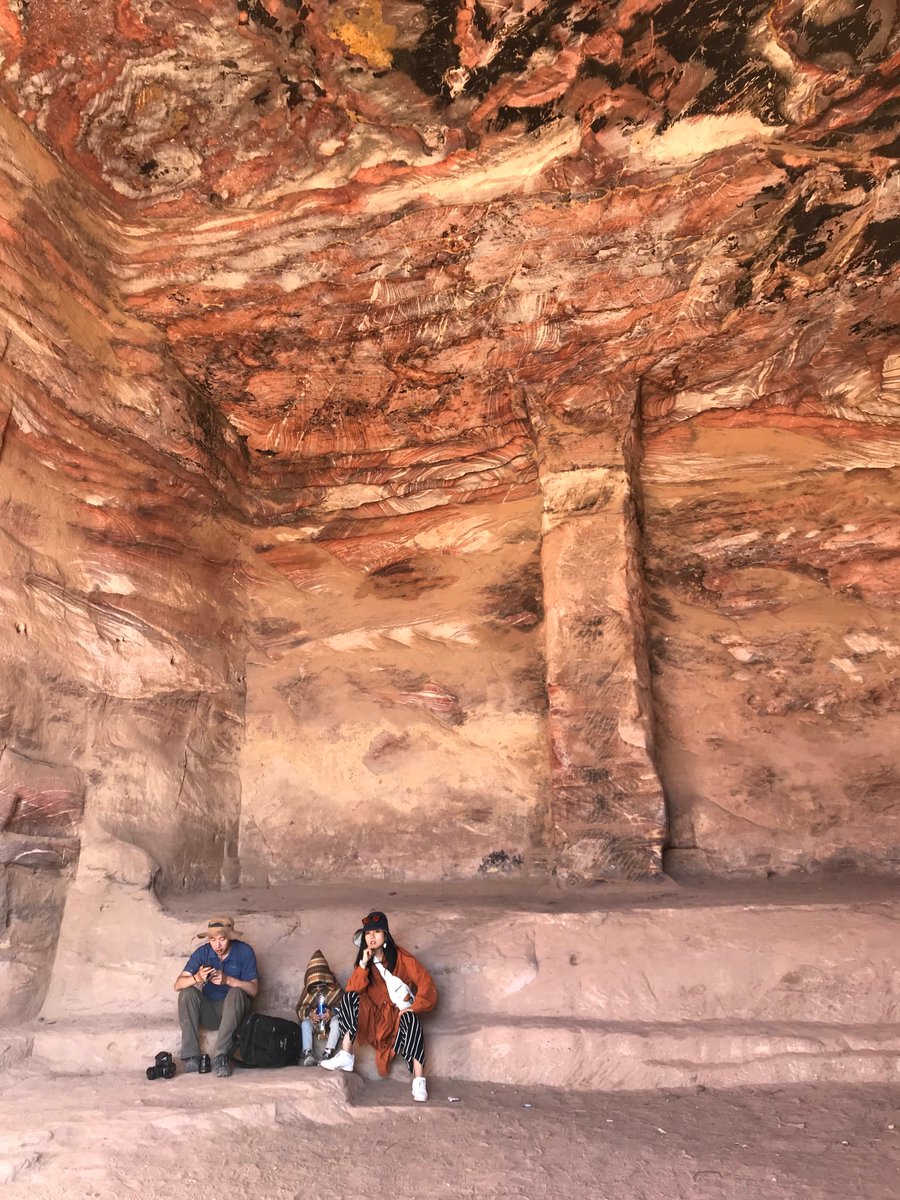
307, 1135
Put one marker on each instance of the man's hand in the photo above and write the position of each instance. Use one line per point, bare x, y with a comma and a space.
197, 980
209, 974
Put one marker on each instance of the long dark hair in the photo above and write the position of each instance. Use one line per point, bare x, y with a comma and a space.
389, 949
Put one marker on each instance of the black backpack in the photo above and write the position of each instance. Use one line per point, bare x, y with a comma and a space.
268, 1041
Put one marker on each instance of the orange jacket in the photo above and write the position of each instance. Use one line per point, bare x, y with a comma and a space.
379, 1019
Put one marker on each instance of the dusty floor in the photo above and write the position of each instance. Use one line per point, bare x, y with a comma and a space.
309, 1135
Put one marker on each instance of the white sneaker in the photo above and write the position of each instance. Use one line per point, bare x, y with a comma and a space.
342, 1061
420, 1089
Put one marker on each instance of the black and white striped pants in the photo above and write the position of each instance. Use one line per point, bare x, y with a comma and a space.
410, 1043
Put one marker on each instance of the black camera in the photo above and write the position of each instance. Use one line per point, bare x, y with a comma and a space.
163, 1068
204, 1066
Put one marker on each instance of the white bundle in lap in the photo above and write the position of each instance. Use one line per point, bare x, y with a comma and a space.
396, 988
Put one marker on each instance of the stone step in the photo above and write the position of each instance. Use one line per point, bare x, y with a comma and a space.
580, 1055
571, 988
52, 1134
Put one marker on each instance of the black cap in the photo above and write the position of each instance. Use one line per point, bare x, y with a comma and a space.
375, 920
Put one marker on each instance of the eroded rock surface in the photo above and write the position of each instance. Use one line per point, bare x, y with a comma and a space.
446, 436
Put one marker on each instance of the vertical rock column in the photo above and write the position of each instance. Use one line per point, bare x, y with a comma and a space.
607, 811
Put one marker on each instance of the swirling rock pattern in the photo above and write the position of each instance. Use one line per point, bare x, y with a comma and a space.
445, 433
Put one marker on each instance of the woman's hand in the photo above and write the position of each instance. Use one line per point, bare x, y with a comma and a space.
366, 957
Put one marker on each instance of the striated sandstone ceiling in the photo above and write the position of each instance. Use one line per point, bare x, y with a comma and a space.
459, 434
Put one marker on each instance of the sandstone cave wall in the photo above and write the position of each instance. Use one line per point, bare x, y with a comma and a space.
396, 715
122, 694
772, 551
398, 393
428, 481
285, 668
436, 446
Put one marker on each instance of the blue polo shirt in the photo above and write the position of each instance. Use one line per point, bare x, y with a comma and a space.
239, 963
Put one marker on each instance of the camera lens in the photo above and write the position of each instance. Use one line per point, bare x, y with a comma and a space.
204, 1066
152, 1073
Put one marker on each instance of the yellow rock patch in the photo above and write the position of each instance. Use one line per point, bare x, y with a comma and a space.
363, 30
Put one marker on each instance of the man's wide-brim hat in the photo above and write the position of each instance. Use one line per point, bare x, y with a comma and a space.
220, 927
319, 977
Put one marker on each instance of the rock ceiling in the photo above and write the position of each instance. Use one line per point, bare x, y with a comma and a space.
334, 325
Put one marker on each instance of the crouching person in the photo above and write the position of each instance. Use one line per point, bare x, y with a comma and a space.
214, 992
315, 1009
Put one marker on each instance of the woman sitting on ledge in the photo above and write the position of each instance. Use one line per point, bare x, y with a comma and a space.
381, 1004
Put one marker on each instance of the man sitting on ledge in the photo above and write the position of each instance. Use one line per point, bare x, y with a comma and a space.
214, 991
